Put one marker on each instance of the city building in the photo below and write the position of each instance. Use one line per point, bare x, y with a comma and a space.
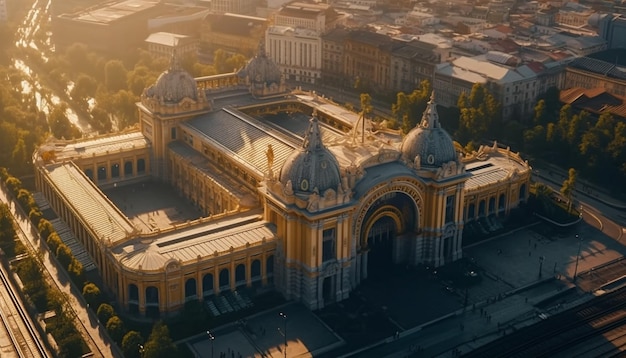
294, 41
163, 44
111, 27
606, 69
293, 193
612, 28
514, 86
4, 15
232, 33
242, 7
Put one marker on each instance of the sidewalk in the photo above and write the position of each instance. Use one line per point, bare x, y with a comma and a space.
87, 323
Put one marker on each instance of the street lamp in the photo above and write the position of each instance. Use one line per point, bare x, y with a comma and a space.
211, 339
541, 258
284, 331
580, 240
140, 350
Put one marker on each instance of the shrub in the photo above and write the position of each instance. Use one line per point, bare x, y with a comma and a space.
64, 254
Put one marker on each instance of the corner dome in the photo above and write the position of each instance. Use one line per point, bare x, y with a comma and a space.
312, 167
174, 85
428, 141
261, 69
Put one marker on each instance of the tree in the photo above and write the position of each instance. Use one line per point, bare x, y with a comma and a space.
60, 125
569, 185
75, 270
53, 241
45, 228
70, 345
105, 312
116, 329
115, 76
92, 295
64, 254
540, 117
130, 344
19, 157
159, 344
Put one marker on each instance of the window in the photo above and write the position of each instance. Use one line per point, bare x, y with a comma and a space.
328, 245
450, 208
173, 133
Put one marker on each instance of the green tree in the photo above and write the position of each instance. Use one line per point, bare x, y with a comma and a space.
13, 184
25, 199
92, 295
60, 125
70, 345
115, 76
159, 344
569, 186
19, 158
540, 117
84, 87
130, 344
76, 272
53, 241
105, 312
45, 228
64, 254
116, 329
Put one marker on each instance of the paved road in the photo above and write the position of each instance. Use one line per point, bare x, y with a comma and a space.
95, 335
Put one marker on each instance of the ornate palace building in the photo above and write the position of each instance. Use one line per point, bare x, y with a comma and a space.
294, 192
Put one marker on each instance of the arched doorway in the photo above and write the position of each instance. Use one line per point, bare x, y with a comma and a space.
380, 244
389, 229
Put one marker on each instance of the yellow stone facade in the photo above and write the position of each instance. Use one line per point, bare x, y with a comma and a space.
310, 215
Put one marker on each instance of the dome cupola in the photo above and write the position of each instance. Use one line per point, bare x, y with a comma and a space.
312, 167
428, 144
173, 85
261, 69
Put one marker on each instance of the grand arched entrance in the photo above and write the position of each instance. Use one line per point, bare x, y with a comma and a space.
380, 244
388, 234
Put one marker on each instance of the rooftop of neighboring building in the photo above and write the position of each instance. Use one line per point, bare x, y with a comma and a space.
168, 39
234, 24
594, 100
110, 12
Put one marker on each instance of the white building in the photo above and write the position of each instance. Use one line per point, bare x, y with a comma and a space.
4, 16
516, 88
294, 41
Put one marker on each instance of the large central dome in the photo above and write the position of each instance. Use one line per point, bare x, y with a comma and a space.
428, 141
174, 85
312, 167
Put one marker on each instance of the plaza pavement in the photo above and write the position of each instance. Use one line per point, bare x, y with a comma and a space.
262, 336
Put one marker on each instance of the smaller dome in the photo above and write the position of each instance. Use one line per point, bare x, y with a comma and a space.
174, 85
429, 141
261, 69
311, 167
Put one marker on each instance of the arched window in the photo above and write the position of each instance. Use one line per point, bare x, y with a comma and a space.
501, 202
256, 270
224, 279
481, 208
207, 284
492, 205
102, 173
141, 166
270, 265
240, 274
190, 289
128, 168
133, 293
471, 211
522, 192
115, 170
152, 296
